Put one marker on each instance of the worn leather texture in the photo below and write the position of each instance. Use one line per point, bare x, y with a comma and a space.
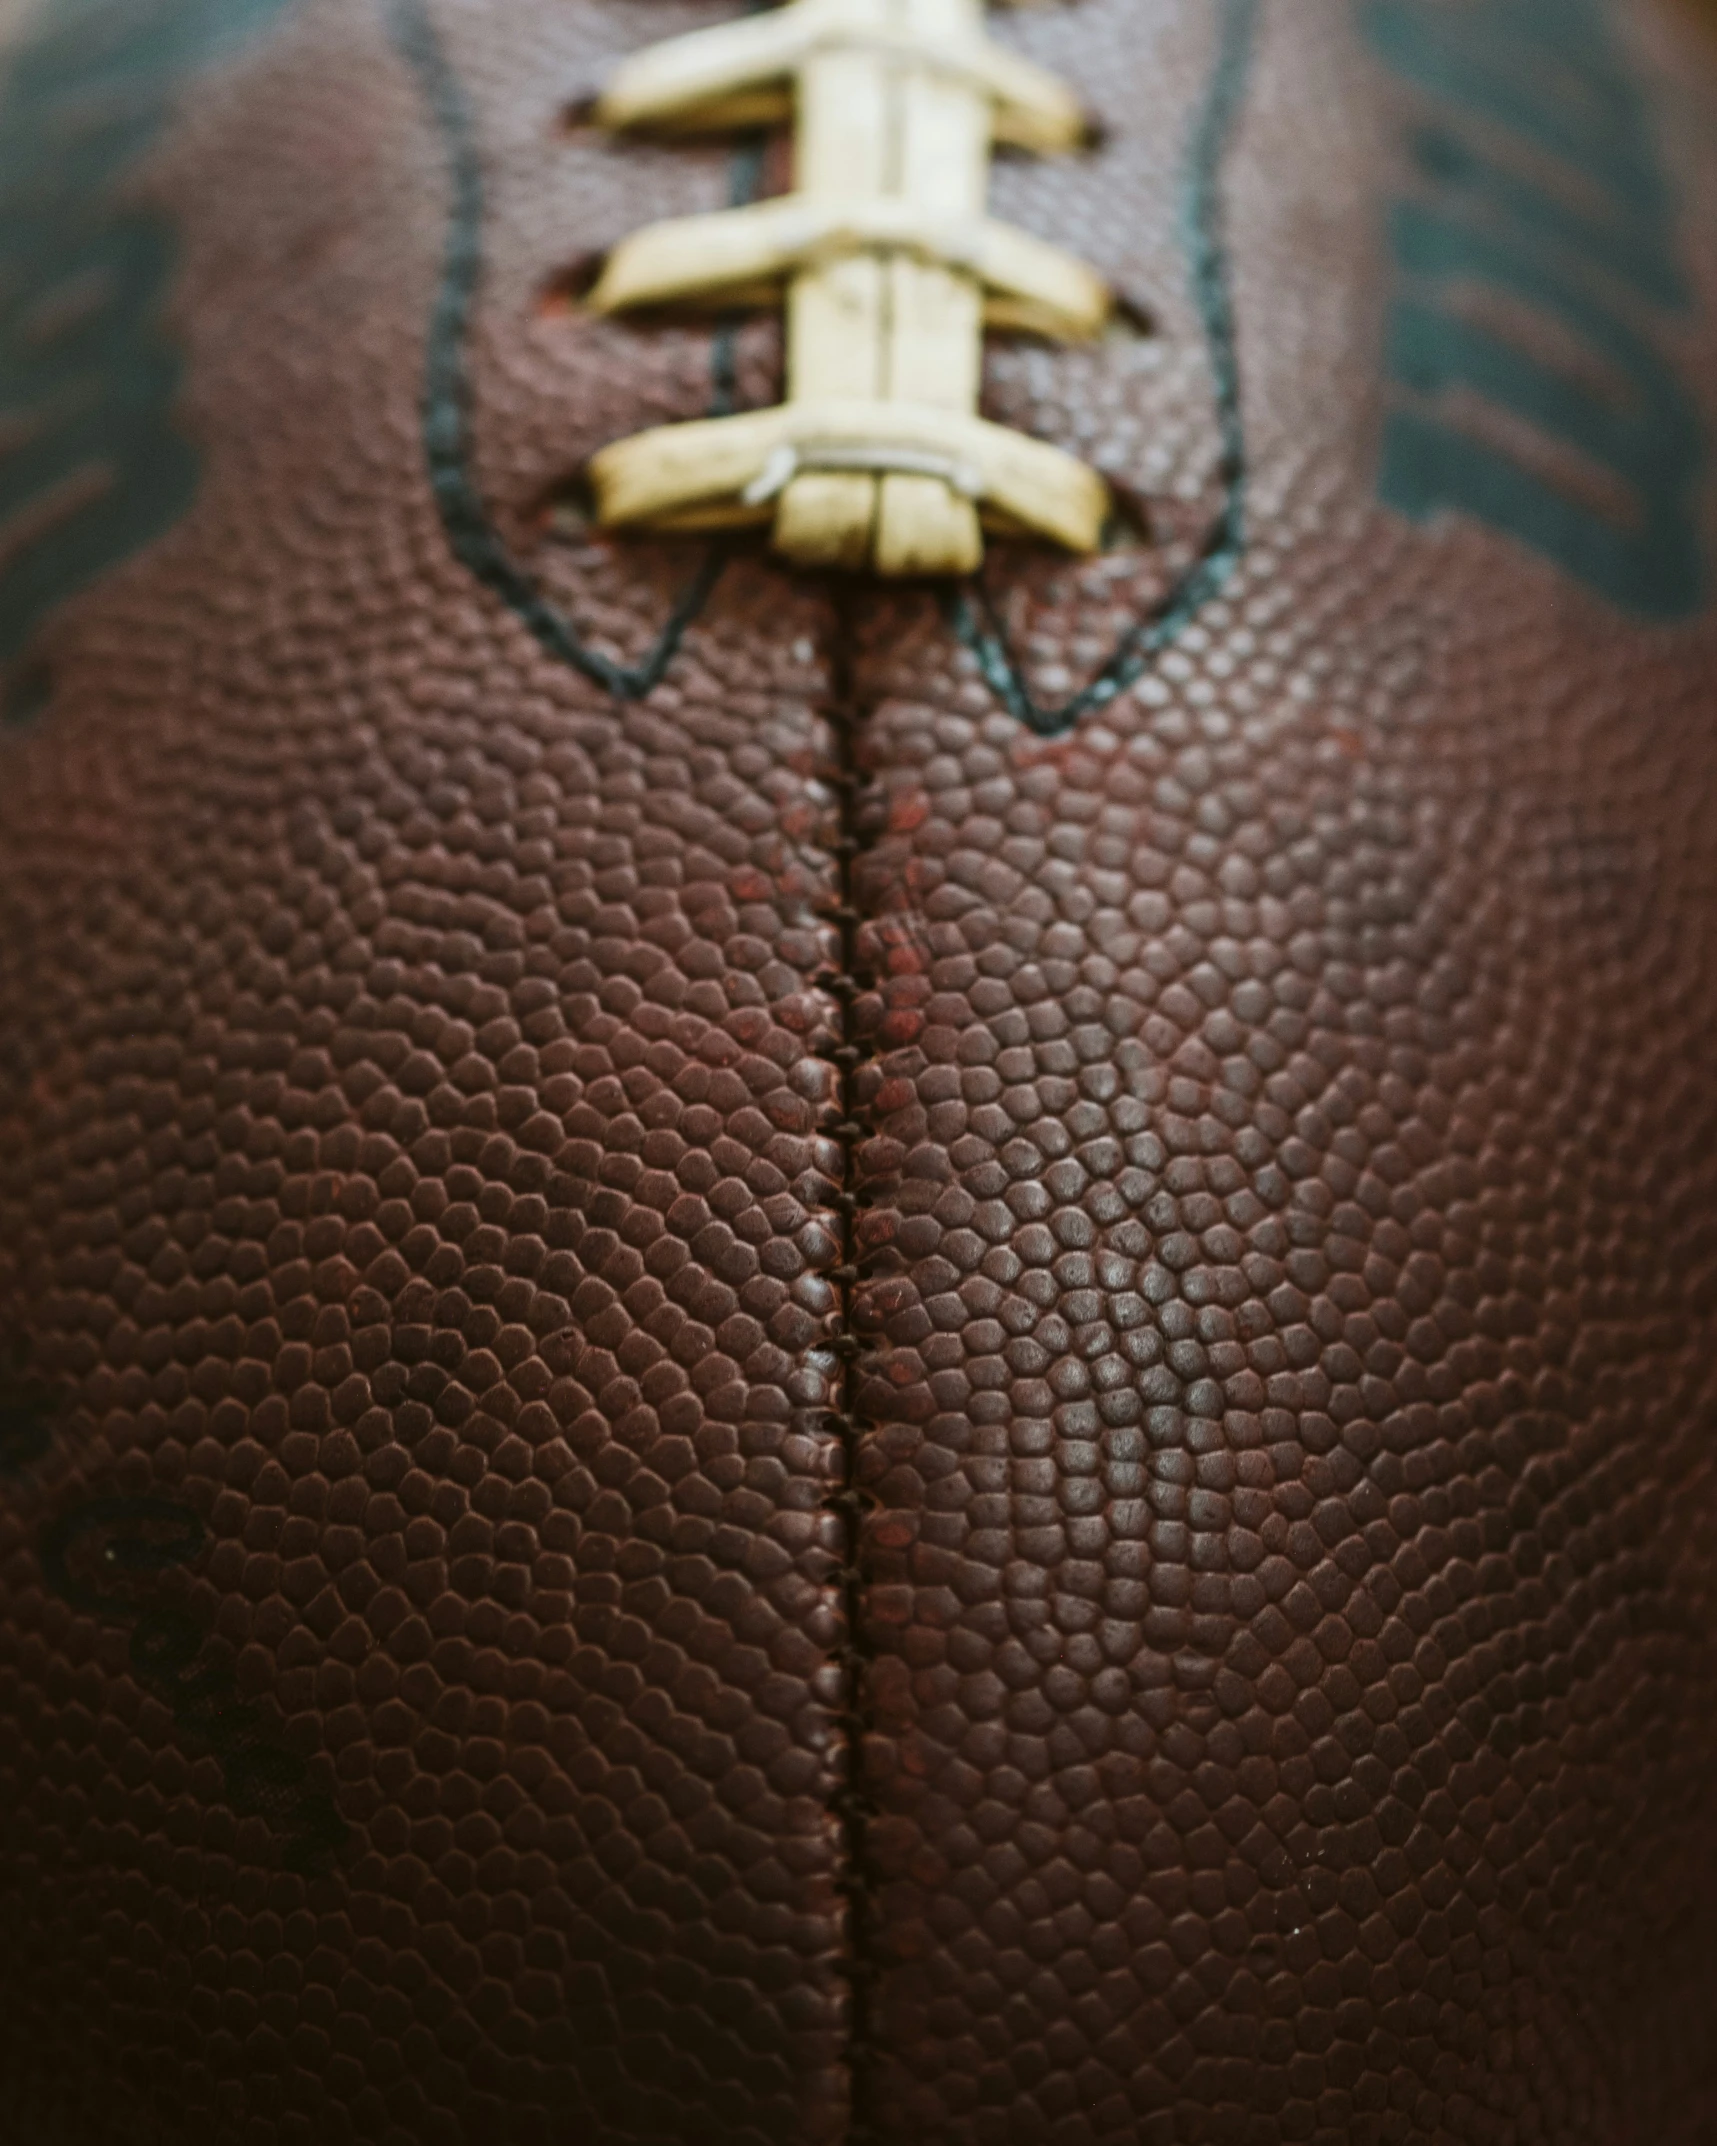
751, 1388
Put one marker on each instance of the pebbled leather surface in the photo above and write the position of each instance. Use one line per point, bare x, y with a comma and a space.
1291, 1400
1280, 1156
408, 1166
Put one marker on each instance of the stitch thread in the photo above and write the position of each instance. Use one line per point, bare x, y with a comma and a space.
851, 1805
1224, 546
895, 106
478, 545
471, 534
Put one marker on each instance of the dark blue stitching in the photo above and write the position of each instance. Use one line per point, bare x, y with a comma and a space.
478, 544
1203, 234
474, 539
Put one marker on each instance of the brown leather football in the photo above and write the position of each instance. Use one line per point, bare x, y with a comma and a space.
803, 1345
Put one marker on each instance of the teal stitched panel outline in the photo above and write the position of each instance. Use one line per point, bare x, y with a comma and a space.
92, 466
1542, 187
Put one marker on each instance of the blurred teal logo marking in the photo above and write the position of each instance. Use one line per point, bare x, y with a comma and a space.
92, 466
1527, 342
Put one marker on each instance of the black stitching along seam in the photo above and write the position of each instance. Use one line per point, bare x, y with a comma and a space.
852, 1805
847, 980
478, 544
1205, 239
472, 535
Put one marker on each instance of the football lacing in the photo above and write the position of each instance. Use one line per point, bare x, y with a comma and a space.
891, 271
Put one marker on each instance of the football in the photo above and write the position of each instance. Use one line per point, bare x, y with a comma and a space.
858, 1073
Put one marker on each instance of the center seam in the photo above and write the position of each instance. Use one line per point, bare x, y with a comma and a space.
847, 980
